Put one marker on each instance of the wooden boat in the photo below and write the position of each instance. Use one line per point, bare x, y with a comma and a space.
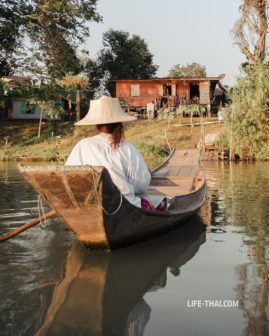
89, 203
93, 282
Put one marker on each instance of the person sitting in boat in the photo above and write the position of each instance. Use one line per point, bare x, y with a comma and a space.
123, 161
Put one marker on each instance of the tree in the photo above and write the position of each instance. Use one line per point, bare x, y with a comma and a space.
188, 70
76, 83
101, 89
53, 30
247, 120
124, 57
57, 27
10, 34
250, 30
3, 89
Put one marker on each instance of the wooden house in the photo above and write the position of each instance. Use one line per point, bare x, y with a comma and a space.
166, 91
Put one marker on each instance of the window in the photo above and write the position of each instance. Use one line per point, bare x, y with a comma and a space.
167, 90
27, 108
135, 90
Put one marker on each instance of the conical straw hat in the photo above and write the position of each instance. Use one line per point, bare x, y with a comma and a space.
105, 110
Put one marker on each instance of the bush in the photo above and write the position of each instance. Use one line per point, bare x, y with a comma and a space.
150, 149
246, 124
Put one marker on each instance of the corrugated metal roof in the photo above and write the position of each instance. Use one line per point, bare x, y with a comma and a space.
170, 79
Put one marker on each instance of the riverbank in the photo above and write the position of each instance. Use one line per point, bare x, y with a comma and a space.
19, 139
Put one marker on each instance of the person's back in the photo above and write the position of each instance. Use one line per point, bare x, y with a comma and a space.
108, 149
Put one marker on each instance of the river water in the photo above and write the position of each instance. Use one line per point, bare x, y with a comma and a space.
209, 277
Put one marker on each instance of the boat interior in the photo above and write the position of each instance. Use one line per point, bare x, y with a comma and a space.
181, 174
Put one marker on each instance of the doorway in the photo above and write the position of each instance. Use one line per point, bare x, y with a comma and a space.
194, 90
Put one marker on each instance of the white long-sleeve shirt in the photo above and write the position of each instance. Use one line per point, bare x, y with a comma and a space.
125, 164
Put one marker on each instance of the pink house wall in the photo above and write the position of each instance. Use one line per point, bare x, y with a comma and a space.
149, 90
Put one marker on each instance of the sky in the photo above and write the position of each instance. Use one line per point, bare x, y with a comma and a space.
176, 31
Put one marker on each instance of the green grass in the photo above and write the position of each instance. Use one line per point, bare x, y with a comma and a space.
147, 136
150, 149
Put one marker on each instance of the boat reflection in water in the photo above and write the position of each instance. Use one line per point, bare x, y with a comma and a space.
102, 293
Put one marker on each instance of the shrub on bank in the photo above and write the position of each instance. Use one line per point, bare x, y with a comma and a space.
246, 126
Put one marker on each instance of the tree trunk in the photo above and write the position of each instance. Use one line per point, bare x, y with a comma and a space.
78, 105
251, 29
40, 123
260, 47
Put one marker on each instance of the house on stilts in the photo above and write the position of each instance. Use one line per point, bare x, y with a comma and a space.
168, 92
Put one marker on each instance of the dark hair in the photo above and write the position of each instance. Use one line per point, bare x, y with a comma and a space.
116, 130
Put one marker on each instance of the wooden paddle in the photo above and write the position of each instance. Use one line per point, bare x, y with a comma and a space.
27, 225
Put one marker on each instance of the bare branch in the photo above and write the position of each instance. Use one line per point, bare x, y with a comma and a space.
250, 30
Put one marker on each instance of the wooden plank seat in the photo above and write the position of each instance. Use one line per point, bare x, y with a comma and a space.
170, 181
167, 191
170, 187
177, 170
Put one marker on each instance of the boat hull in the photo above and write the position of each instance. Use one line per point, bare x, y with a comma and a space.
89, 203
132, 224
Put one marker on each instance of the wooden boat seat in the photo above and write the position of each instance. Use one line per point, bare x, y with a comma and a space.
170, 181
166, 191
170, 186
177, 170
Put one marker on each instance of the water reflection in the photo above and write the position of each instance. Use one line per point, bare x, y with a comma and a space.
49, 285
30, 263
102, 293
241, 195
